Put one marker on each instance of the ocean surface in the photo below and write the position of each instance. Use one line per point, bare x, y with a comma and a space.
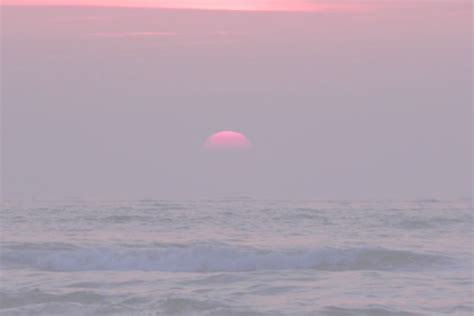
237, 256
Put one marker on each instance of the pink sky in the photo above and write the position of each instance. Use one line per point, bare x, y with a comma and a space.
368, 103
247, 5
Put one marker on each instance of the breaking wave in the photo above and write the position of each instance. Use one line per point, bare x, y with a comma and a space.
214, 258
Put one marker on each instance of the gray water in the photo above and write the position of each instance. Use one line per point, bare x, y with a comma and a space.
237, 256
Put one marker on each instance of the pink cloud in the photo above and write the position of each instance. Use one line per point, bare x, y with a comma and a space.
133, 34
240, 5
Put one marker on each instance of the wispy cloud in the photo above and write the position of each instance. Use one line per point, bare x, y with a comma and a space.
237, 5
133, 34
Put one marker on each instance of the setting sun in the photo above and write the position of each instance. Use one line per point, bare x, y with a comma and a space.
228, 140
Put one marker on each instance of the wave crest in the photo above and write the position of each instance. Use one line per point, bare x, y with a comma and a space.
216, 258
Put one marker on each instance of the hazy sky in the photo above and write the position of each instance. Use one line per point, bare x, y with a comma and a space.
354, 100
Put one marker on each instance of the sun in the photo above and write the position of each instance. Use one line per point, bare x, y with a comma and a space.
227, 140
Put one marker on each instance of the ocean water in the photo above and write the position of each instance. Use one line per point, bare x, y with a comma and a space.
237, 256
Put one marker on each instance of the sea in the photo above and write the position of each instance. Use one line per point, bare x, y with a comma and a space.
237, 256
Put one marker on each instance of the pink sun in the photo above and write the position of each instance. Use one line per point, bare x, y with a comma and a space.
227, 140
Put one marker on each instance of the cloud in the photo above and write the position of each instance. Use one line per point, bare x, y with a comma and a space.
133, 34
236, 5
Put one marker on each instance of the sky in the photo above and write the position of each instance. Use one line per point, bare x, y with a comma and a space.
340, 100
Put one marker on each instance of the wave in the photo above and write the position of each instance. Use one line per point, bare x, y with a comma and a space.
214, 258
37, 302
31, 297
375, 311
